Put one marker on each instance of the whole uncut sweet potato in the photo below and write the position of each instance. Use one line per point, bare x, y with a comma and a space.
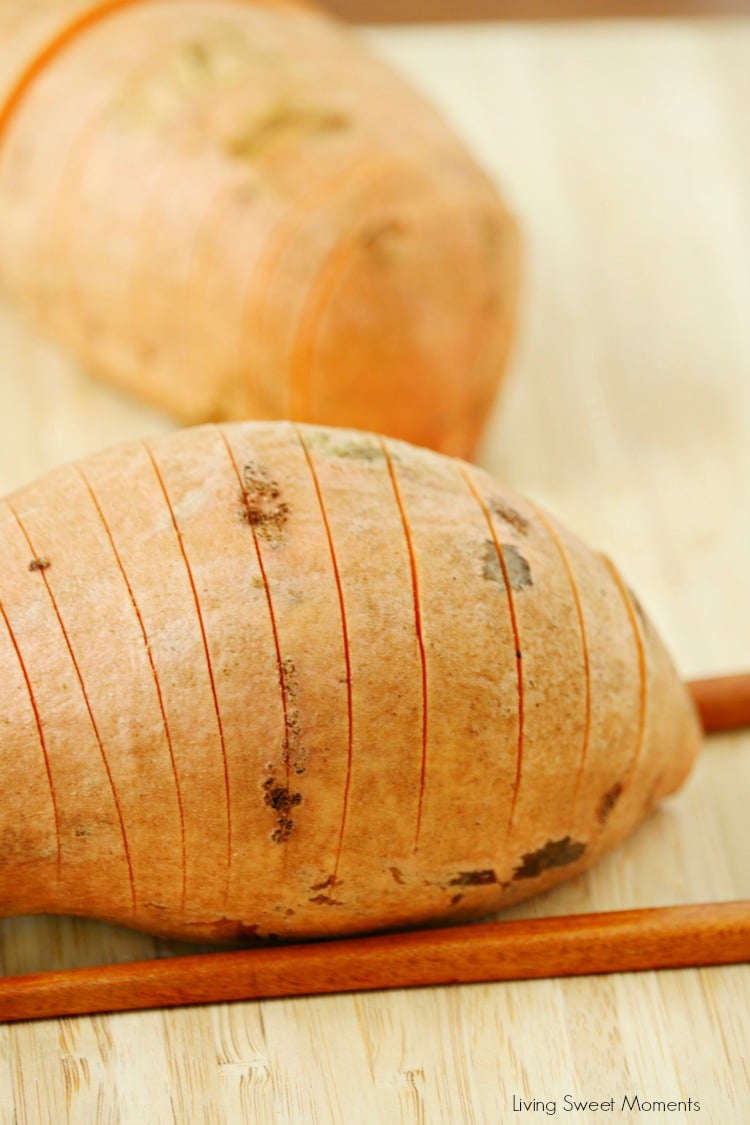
264, 679
231, 210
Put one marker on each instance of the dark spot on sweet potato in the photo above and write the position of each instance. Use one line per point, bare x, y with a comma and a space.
491, 568
474, 878
279, 798
262, 506
516, 567
555, 853
397, 875
283, 830
456, 899
293, 753
608, 802
325, 900
245, 931
40, 563
329, 882
509, 515
281, 801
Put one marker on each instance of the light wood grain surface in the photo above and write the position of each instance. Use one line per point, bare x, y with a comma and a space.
625, 150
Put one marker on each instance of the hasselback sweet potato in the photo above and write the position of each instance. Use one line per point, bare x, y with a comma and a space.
230, 209
265, 679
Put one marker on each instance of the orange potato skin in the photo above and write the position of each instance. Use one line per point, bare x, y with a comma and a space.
265, 679
231, 210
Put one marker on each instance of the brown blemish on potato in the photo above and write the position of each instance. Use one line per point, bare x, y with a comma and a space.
262, 507
247, 932
325, 900
455, 899
293, 754
509, 515
40, 563
329, 882
608, 802
283, 123
474, 878
555, 853
397, 875
355, 449
281, 801
516, 567
491, 568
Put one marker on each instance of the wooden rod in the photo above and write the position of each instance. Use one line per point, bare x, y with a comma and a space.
723, 702
621, 941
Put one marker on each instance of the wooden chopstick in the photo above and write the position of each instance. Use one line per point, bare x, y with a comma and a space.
723, 702
620, 941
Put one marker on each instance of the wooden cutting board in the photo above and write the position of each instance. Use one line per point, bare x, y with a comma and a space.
625, 148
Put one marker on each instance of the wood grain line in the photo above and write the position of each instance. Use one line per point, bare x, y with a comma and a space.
89, 709
516, 640
347, 656
418, 629
549, 527
40, 731
642, 690
207, 654
152, 665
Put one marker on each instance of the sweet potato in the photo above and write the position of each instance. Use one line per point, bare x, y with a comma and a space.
230, 209
261, 679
